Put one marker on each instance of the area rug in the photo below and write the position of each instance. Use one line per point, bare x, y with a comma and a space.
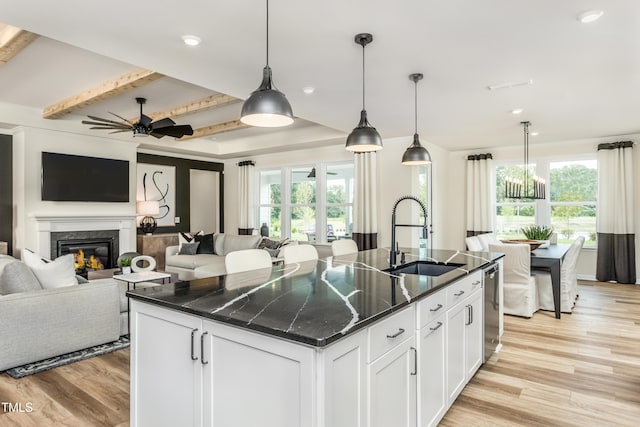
65, 359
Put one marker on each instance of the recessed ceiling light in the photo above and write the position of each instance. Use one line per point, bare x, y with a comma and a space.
308, 90
190, 40
535, 133
517, 111
590, 16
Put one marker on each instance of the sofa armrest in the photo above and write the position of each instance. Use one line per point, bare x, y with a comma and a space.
40, 324
171, 251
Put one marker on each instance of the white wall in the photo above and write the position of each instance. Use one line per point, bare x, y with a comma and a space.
28, 144
456, 183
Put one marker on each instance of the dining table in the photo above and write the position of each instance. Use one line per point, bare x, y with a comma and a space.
550, 258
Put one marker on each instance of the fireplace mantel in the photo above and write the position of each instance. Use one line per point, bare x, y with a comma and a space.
47, 223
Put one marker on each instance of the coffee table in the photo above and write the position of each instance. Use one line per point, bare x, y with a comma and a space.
135, 278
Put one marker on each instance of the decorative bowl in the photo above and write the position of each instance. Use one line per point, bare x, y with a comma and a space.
534, 244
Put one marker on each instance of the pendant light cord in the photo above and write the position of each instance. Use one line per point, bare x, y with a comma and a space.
363, 79
267, 33
416, 105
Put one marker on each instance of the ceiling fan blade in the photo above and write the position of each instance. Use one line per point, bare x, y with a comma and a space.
175, 131
86, 122
332, 173
121, 130
121, 118
109, 128
156, 135
145, 120
100, 119
162, 123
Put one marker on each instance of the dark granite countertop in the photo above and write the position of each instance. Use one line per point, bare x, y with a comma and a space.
314, 303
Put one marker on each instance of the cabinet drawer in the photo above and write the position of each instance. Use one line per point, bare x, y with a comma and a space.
388, 333
431, 307
463, 288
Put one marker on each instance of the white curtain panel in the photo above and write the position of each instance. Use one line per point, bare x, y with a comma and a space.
615, 222
479, 194
245, 194
365, 216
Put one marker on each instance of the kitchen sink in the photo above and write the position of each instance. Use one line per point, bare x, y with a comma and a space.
424, 268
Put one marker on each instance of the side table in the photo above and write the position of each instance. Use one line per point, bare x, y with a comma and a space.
135, 278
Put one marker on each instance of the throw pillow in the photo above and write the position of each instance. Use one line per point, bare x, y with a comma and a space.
55, 274
187, 237
18, 277
189, 248
206, 244
272, 245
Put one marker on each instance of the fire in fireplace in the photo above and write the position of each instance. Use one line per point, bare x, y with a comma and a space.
88, 254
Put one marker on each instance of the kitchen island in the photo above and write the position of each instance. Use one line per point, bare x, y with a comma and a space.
335, 342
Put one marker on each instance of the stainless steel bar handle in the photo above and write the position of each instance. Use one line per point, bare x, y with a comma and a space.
438, 307
459, 293
415, 361
477, 282
193, 334
397, 334
468, 322
204, 362
438, 326
470, 314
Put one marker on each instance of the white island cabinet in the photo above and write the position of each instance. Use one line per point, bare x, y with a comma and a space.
402, 370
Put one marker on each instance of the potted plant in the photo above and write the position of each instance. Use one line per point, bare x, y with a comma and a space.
538, 232
125, 265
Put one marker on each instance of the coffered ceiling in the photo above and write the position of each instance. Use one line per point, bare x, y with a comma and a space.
94, 58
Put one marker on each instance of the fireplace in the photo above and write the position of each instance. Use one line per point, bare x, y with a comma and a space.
88, 254
92, 249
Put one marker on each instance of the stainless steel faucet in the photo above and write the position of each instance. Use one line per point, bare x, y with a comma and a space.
394, 246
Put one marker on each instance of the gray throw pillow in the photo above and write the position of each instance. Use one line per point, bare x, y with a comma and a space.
18, 277
189, 248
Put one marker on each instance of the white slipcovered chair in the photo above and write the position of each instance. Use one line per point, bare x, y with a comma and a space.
486, 239
343, 247
298, 253
520, 291
473, 243
568, 281
247, 259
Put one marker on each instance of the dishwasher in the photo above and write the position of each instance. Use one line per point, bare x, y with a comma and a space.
491, 284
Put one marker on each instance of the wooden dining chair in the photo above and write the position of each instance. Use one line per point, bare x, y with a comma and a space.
568, 281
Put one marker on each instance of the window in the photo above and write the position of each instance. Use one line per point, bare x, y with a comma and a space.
574, 187
297, 201
570, 207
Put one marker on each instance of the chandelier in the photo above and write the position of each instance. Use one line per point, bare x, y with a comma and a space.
516, 188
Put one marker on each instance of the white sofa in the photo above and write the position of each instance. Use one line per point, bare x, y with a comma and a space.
198, 266
37, 324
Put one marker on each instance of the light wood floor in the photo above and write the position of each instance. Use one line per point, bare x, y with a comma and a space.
583, 370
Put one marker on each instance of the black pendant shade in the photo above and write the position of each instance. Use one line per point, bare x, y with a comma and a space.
416, 154
364, 137
267, 106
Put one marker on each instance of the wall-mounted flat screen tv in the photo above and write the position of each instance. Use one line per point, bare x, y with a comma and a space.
70, 178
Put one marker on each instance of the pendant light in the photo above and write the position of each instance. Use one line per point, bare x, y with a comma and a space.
267, 106
515, 188
416, 154
364, 137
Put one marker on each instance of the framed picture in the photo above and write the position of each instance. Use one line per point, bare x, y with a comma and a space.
158, 182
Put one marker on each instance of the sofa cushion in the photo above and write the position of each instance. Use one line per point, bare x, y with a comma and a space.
189, 248
55, 274
215, 267
192, 261
187, 237
206, 244
18, 277
237, 243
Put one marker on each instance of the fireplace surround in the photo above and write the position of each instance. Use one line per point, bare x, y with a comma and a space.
50, 228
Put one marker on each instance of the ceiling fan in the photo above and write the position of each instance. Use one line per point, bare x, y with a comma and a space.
312, 174
143, 127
